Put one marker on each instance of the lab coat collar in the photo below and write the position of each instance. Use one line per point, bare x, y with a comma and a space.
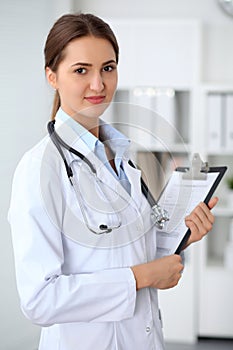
118, 142
63, 119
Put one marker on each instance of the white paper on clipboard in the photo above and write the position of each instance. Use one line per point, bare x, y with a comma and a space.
179, 198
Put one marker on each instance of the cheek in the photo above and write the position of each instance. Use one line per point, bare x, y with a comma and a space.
116, 81
113, 84
71, 88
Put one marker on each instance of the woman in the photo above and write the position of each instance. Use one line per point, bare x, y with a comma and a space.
86, 289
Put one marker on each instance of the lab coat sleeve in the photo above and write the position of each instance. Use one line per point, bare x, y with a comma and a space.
47, 295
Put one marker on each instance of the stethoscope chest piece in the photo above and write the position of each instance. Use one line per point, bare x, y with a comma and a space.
159, 216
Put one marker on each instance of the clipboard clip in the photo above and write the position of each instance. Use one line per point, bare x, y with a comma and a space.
198, 170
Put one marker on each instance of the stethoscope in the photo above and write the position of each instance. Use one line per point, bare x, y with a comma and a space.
159, 216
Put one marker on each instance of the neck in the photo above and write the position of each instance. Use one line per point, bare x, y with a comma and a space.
94, 131
89, 123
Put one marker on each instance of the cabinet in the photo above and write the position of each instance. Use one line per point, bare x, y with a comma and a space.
158, 52
157, 121
215, 268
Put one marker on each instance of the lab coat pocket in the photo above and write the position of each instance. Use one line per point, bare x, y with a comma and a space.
88, 336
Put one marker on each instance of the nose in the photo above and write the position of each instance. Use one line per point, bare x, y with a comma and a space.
97, 83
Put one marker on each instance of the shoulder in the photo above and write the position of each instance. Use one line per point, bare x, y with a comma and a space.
41, 158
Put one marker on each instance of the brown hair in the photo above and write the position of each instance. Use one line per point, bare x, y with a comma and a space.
70, 27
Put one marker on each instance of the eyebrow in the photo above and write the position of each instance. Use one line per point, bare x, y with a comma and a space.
89, 64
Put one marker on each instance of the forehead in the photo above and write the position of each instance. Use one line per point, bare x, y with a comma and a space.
88, 49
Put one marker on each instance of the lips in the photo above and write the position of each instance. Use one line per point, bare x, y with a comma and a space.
95, 99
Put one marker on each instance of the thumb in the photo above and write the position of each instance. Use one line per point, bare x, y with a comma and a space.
213, 202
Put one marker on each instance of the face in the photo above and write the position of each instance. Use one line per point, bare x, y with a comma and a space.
86, 78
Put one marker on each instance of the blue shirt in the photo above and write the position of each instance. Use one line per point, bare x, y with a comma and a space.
116, 141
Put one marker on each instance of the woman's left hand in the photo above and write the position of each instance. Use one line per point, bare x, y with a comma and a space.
200, 221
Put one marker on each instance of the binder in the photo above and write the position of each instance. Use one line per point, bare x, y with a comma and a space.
214, 122
141, 116
164, 106
186, 188
229, 122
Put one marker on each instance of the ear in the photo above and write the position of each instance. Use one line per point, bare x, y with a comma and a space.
51, 77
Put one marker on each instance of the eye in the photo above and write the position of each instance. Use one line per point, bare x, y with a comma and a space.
108, 68
80, 70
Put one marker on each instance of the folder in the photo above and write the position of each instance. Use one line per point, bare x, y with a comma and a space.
229, 122
186, 188
141, 116
214, 122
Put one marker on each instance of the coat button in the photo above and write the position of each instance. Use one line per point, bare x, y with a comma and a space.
147, 329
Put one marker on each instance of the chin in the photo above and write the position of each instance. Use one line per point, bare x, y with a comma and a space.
94, 111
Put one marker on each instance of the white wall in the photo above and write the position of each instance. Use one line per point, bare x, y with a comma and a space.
25, 101
217, 48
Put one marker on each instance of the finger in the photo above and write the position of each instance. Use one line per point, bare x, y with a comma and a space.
193, 227
181, 269
178, 258
176, 279
199, 227
212, 202
205, 215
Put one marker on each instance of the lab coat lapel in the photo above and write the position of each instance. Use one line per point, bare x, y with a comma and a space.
134, 177
108, 178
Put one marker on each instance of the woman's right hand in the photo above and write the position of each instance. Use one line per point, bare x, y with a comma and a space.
161, 273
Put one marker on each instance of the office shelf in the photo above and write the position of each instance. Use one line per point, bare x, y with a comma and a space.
216, 283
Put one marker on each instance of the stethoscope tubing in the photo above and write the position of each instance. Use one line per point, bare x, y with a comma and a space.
59, 142
103, 228
160, 214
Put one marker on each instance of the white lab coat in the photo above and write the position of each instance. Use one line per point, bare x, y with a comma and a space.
77, 285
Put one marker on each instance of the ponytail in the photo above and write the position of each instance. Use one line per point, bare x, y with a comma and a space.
56, 105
